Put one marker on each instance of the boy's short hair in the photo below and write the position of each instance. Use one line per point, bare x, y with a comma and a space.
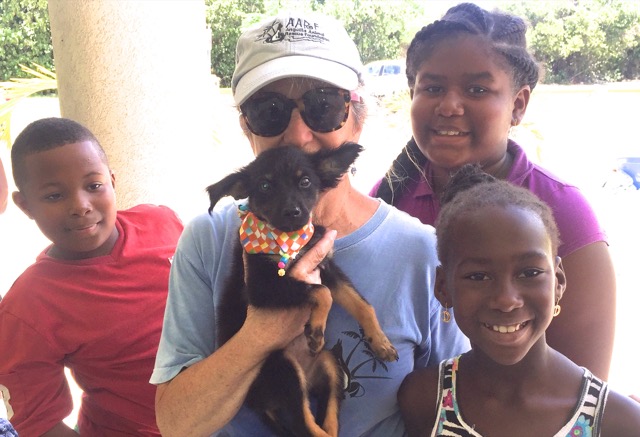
46, 134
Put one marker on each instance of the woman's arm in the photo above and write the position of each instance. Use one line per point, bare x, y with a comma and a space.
585, 328
204, 397
207, 395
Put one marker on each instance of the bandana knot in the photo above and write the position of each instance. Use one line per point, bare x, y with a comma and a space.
258, 236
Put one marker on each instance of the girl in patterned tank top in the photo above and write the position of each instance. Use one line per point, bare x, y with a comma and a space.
497, 244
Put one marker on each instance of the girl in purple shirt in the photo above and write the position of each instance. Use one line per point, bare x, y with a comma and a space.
470, 77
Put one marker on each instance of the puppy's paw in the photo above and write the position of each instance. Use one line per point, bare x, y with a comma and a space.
382, 347
315, 338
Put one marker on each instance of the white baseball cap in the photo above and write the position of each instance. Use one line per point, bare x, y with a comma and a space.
295, 44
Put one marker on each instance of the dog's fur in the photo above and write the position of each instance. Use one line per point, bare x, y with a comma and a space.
282, 186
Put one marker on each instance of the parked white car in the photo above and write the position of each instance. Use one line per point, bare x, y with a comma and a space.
385, 77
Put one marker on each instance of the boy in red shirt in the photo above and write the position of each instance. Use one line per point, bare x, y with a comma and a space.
94, 299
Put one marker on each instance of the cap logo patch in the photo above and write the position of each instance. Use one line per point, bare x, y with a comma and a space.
296, 29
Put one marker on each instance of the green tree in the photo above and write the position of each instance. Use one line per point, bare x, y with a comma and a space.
377, 27
226, 20
25, 36
578, 41
584, 41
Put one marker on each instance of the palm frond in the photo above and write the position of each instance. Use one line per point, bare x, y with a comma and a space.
15, 90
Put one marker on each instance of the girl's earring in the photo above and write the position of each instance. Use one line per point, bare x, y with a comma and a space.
446, 315
515, 121
556, 310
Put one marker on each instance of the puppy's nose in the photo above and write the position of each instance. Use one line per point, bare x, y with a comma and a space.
292, 212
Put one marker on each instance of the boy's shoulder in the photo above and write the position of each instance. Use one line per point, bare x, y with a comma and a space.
146, 231
144, 216
149, 224
147, 210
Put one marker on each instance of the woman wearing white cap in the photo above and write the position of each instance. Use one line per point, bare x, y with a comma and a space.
286, 62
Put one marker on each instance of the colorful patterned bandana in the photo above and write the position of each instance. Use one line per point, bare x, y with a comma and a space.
257, 236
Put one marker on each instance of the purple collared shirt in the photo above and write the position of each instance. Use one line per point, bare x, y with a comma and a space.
577, 222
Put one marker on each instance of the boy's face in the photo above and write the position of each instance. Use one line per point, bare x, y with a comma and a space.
70, 194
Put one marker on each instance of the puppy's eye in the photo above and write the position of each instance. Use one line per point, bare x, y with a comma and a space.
264, 186
305, 182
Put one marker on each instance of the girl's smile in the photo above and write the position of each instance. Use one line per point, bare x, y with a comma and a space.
510, 336
463, 104
506, 329
501, 278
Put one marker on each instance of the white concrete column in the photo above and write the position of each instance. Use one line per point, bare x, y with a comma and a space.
137, 73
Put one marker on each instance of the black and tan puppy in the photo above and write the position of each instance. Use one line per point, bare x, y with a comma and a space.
282, 186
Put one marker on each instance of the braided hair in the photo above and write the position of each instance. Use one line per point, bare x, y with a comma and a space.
506, 35
470, 189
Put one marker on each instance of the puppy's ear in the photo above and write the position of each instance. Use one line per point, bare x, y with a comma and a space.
233, 185
332, 164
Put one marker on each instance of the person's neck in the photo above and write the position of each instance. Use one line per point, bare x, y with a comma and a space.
505, 381
103, 250
500, 170
543, 386
344, 209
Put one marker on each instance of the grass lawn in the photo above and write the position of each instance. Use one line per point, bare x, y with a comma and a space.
576, 132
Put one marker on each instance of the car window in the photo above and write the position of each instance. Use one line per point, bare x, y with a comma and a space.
373, 70
391, 69
385, 77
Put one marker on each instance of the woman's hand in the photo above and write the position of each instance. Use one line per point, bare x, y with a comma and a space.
306, 269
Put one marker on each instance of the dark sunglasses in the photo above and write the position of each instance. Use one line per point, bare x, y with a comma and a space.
322, 109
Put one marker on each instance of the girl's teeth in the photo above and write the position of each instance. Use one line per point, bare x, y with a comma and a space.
506, 329
448, 132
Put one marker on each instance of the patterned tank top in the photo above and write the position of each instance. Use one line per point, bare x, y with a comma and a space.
585, 421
